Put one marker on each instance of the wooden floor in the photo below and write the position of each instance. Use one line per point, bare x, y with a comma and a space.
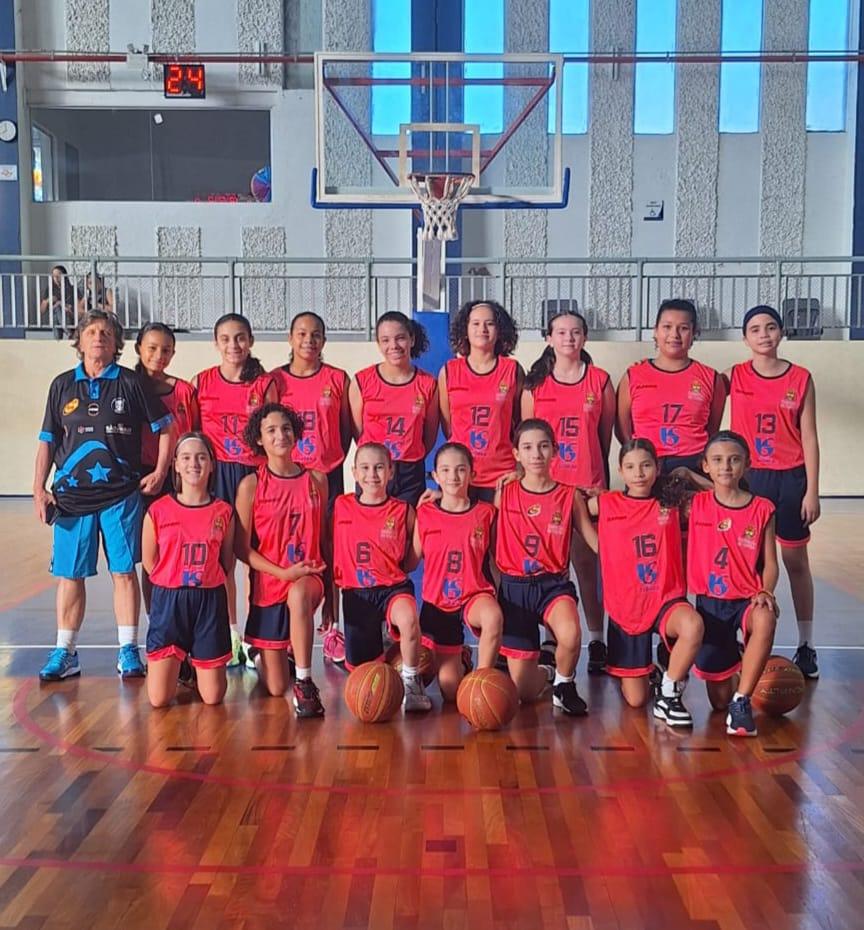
113, 815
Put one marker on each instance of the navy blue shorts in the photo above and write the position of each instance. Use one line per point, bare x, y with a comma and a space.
481, 494
335, 486
444, 630
630, 655
408, 481
719, 656
189, 621
785, 488
270, 627
668, 463
228, 478
364, 610
525, 603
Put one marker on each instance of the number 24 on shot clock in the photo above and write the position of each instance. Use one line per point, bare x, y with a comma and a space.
183, 80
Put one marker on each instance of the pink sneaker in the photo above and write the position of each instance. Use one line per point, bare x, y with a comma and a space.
334, 646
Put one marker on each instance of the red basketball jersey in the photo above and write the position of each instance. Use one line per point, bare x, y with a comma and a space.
225, 409
189, 540
767, 413
369, 542
640, 559
574, 412
394, 414
455, 546
180, 403
724, 546
318, 400
671, 408
481, 415
534, 530
286, 529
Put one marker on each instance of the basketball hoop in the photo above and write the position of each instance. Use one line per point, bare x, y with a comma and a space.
440, 195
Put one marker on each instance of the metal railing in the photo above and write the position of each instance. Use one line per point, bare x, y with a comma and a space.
616, 296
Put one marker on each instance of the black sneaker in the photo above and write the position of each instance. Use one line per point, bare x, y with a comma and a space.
671, 710
662, 656
805, 659
547, 654
566, 697
596, 657
739, 720
307, 701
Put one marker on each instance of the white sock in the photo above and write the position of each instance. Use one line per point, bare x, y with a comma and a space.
668, 687
303, 673
738, 695
127, 635
67, 639
562, 679
409, 672
235, 631
805, 632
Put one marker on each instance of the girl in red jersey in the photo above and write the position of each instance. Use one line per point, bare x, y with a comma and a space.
774, 408
672, 399
576, 397
319, 394
532, 552
372, 534
732, 570
281, 515
478, 391
395, 403
187, 548
453, 536
228, 394
639, 540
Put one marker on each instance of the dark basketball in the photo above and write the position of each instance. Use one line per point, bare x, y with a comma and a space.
487, 699
426, 664
780, 688
374, 692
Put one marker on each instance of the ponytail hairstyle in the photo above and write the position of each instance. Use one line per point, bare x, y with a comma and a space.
415, 330
162, 328
252, 367
176, 482
682, 305
545, 364
318, 320
508, 334
728, 435
669, 491
457, 447
534, 423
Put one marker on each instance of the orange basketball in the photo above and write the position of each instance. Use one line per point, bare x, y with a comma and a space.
780, 688
374, 692
487, 699
426, 665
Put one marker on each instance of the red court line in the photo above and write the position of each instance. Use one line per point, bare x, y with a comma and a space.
638, 870
22, 716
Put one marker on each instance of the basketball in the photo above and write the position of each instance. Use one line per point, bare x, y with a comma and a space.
426, 665
374, 692
487, 699
780, 688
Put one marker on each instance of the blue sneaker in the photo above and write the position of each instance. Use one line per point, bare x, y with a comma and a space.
739, 720
61, 664
129, 663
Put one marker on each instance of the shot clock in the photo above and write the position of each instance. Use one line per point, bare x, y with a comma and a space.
183, 80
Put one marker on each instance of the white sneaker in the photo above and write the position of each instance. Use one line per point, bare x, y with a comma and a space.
416, 700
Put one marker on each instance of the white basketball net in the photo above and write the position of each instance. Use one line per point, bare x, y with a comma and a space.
440, 196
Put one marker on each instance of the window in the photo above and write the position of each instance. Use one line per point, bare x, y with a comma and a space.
826, 80
177, 155
654, 105
569, 27
391, 32
741, 31
484, 32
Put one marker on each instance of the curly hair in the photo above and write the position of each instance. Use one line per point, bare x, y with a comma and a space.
252, 430
88, 318
415, 330
508, 334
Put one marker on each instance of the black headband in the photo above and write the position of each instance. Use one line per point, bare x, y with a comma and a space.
759, 311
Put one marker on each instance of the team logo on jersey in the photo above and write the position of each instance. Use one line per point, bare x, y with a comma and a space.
748, 539
590, 399
663, 514
451, 590
418, 404
254, 400
181, 409
71, 407
790, 400
326, 396
118, 405
647, 573
477, 535
503, 388
388, 531
556, 524
695, 392
93, 410
534, 510
724, 525
218, 525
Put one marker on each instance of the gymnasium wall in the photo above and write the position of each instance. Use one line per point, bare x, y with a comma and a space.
838, 373
779, 190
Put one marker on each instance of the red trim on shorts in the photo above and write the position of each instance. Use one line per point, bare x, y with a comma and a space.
554, 601
664, 616
509, 653
396, 597
446, 650
351, 667
166, 652
221, 662
629, 672
467, 606
794, 543
267, 643
744, 631
717, 676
